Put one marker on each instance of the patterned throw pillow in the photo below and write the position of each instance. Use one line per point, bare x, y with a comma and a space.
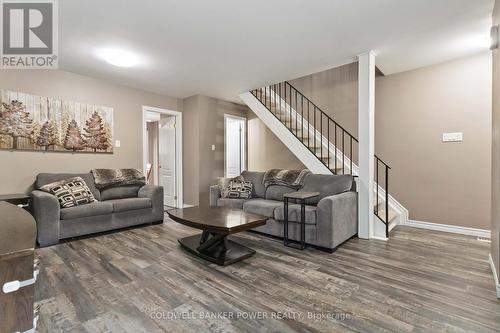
239, 190
223, 184
70, 192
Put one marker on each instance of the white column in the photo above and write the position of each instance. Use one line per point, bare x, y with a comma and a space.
366, 134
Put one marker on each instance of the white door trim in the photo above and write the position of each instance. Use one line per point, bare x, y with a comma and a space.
243, 148
178, 147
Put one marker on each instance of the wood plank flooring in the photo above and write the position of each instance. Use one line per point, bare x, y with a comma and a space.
140, 280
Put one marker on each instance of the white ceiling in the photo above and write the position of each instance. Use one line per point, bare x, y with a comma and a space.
221, 48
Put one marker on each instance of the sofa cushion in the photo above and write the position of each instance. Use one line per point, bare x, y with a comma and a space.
123, 205
120, 192
231, 203
256, 178
91, 209
294, 213
47, 178
261, 206
327, 185
275, 192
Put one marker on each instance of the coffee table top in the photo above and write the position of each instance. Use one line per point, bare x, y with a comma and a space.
217, 219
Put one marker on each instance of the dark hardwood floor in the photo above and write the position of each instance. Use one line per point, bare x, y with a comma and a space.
137, 280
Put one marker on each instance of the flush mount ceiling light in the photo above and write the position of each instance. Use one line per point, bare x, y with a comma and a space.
477, 42
118, 57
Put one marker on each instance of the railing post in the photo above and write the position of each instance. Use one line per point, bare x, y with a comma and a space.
386, 201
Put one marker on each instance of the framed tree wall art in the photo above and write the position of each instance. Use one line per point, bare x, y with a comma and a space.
29, 122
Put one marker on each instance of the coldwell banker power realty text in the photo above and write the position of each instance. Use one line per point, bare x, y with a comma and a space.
29, 34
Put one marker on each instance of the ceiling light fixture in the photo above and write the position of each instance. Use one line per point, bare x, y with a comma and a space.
477, 42
118, 57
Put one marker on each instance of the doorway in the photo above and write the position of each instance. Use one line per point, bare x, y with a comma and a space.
234, 145
162, 152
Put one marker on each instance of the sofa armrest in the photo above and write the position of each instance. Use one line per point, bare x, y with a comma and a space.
214, 195
155, 193
337, 218
47, 213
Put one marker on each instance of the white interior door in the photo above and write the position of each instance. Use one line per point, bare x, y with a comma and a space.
234, 146
166, 167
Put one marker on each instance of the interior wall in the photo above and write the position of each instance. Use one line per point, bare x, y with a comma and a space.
495, 164
335, 92
208, 114
190, 150
438, 182
18, 169
265, 150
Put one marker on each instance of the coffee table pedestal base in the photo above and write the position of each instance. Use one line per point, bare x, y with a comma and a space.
216, 248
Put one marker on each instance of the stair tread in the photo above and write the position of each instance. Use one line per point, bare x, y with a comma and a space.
392, 214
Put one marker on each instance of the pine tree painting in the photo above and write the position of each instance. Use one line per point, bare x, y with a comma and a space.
48, 135
95, 136
15, 122
29, 122
74, 140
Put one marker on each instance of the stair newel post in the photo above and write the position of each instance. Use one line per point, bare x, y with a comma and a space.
386, 201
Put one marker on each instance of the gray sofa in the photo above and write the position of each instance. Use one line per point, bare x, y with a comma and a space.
116, 208
330, 219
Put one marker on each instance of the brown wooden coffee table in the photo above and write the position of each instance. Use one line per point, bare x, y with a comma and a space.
217, 223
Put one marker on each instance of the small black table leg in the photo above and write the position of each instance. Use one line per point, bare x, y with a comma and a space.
285, 236
303, 224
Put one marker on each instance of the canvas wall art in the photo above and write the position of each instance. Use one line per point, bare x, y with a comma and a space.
29, 122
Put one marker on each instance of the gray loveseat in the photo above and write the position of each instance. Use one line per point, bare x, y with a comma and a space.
117, 207
330, 219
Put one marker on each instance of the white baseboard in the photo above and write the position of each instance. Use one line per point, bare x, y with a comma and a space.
448, 228
495, 276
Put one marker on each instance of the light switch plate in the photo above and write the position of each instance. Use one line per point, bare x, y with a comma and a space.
453, 137
117, 143
213, 147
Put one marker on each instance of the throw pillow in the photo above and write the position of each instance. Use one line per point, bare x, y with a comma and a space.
223, 184
70, 192
239, 190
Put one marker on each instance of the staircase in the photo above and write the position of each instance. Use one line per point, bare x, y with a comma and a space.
321, 144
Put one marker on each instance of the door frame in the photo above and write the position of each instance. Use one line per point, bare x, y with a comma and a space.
178, 147
243, 145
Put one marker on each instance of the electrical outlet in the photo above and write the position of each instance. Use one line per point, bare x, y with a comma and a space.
213, 147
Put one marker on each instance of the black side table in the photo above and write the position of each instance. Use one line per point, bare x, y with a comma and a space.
301, 197
22, 200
